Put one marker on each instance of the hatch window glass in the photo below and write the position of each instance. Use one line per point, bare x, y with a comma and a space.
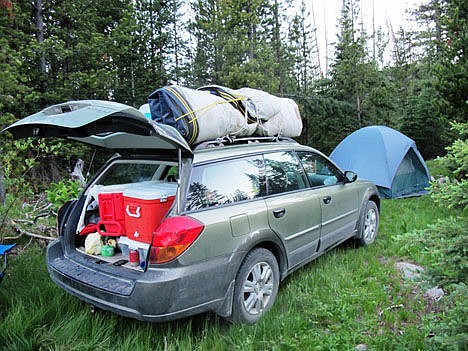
283, 173
319, 171
224, 183
125, 172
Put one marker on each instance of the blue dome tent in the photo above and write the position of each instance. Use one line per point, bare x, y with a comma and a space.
386, 157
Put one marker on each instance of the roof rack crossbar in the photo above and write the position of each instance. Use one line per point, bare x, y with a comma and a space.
232, 140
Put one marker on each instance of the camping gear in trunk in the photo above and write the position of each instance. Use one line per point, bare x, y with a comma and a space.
134, 258
146, 204
111, 212
93, 244
130, 213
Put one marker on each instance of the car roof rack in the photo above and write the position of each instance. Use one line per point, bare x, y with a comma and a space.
232, 140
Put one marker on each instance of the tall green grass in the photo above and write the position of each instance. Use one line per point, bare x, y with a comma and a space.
347, 297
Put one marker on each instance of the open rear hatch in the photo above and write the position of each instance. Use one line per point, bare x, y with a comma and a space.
120, 215
106, 124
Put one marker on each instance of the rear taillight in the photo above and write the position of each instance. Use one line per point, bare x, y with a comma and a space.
174, 236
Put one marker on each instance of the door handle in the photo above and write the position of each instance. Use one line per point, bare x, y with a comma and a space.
278, 213
327, 200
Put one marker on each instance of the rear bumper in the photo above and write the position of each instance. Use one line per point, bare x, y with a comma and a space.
159, 294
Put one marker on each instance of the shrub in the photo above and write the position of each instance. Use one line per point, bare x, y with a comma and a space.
454, 193
442, 247
62, 191
451, 328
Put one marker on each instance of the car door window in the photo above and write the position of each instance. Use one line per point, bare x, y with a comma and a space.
283, 173
320, 172
224, 182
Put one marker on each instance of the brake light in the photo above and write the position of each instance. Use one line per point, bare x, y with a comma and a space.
174, 236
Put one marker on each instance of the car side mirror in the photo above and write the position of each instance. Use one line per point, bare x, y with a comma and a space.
350, 176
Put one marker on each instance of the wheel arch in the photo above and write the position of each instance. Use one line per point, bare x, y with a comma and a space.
267, 239
376, 199
369, 195
278, 252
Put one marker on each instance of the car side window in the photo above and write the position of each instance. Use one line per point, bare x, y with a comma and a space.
283, 173
320, 172
224, 182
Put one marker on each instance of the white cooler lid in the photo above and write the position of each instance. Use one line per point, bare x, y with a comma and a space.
116, 188
150, 190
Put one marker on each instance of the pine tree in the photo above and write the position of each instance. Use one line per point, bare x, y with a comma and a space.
350, 69
434, 84
452, 68
240, 43
302, 50
145, 51
356, 78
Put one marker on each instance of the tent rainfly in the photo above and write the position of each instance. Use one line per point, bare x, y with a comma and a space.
386, 157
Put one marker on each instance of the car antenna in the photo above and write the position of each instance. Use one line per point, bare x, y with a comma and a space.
88, 173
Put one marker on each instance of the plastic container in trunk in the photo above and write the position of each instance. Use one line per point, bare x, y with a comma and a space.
145, 206
111, 210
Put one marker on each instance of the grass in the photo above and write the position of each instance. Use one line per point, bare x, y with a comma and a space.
345, 298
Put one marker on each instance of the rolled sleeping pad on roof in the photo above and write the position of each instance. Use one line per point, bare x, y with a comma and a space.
197, 115
214, 111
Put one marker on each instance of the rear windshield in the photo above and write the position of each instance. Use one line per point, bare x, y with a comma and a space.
124, 172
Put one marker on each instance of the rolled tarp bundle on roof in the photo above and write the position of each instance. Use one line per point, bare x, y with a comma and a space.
215, 111
273, 115
258, 105
287, 122
197, 115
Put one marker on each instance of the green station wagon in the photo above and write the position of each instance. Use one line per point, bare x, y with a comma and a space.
179, 231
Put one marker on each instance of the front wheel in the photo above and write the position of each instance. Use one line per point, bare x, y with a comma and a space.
256, 286
369, 224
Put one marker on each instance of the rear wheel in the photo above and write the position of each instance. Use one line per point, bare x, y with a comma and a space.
369, 224
256, 286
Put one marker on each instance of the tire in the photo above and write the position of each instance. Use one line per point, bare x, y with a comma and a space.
256, 286
368, 224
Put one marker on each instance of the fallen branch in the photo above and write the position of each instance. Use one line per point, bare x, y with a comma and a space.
27, 221
390, 308
13, 237
47, 214
40, 209
34, 220
37, 236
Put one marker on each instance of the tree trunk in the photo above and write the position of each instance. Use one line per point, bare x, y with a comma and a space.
176, 41
358, 102
39, 16
251, 35
320, 72
326, 40
373, 30
2, 188
277, 40
438, 26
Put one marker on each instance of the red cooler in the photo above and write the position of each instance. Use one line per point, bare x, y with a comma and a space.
111, 210
145, 206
